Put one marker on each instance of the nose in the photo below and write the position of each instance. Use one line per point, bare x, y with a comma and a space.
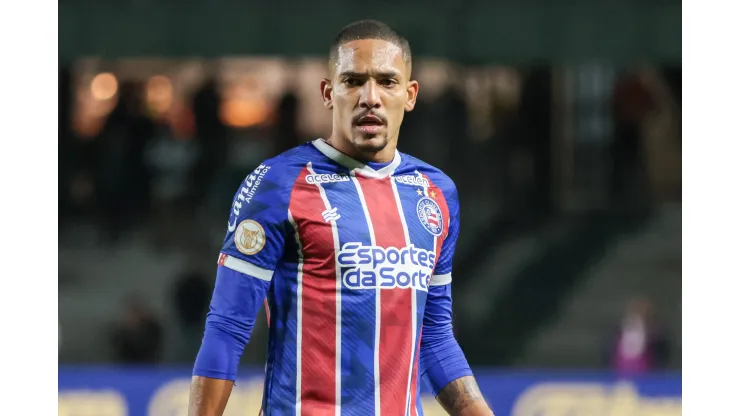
369, 95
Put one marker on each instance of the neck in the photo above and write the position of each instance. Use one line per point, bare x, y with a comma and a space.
385, 155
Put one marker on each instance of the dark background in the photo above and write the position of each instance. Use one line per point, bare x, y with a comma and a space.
560, 122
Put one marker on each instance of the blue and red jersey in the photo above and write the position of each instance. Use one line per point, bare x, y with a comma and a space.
355, 263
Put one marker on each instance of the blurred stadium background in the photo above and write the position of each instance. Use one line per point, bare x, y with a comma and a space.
559, 121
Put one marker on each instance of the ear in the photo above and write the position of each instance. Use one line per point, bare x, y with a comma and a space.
412, 91
326, 89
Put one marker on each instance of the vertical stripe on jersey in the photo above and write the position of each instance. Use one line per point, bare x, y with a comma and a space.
396, 337
414, 390
435, 193
376, 332
299, 314
358, 306
413, 312
409, 197
338, 295
317, 324
281, 392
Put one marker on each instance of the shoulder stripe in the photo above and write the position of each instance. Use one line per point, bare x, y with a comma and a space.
440, 279
245, 267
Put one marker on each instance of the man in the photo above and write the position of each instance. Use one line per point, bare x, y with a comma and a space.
351, 242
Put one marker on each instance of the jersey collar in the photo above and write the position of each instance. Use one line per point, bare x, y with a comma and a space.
355, 165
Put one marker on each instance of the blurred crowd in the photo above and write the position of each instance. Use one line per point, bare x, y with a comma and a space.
637, 345
138, 336
172, 180
140, 168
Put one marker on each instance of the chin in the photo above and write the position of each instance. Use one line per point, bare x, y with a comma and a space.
373, 143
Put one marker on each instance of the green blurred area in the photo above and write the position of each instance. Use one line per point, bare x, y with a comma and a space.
467, 32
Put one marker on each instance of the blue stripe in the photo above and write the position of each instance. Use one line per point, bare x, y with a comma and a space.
418, 234
421, 300
421, 238
358, 306
280, 385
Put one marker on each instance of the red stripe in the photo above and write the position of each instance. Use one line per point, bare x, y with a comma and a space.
442, 202
267, 312
395, 304
415, 377
318, 332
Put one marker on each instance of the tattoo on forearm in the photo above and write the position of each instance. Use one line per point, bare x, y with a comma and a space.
459, 394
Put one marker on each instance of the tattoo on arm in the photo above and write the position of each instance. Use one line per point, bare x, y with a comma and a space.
459, 394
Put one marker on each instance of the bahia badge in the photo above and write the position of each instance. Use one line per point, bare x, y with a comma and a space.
249, 237
430, 215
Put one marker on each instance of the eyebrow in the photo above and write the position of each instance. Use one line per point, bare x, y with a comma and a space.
382, 74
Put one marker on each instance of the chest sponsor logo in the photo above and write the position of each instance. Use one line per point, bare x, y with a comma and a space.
373, 267
412, 180
319, 178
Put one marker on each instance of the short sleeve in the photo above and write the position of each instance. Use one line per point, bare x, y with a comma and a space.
443, 271
258, 224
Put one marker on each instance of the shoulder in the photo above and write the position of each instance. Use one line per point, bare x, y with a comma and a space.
285, 167
436, 176
267, 188
278, 174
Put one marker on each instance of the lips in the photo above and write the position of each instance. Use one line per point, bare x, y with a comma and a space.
370, 120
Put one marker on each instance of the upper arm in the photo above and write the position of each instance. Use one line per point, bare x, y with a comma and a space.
253, 245
251, 251
443, 269
258, 224
441, 360
438, 311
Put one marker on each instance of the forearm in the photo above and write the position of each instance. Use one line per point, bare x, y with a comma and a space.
237, 298
213, 374
236, 301
208, 396
443, 362
451, 379
462, 397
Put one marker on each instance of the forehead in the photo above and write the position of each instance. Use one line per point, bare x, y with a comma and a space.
369, 55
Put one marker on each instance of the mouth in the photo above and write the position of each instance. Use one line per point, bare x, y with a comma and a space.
370, 124
370, 120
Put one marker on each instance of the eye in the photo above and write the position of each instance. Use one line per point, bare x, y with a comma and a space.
354, 82
387, 82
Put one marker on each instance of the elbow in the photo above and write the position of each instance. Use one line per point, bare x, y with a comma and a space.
223, 327
221, 349
441, 359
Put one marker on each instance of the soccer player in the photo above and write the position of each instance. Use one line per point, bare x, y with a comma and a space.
351, 242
